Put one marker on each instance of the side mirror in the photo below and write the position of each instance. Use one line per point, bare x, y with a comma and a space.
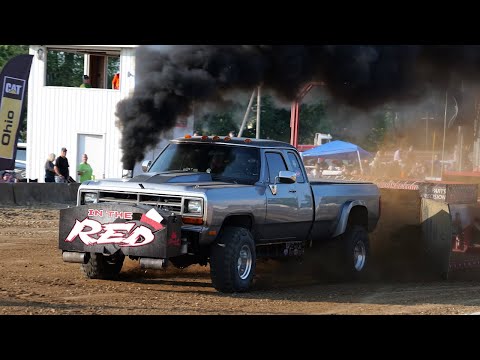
286, 177
146, 165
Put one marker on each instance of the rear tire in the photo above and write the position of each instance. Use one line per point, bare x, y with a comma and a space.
233, 260
354, 253
103, 267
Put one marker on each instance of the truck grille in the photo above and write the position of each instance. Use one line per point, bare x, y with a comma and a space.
166, 202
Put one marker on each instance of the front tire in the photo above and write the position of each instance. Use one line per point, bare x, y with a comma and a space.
103, 267
233, 260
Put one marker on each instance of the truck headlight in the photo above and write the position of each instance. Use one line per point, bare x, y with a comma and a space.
90, 198
194, 207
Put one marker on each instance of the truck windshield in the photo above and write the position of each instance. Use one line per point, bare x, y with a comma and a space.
225, 163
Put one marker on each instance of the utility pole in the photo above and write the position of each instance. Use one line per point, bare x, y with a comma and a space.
258, 113
444, 134
426, 118
295, 110
246, 113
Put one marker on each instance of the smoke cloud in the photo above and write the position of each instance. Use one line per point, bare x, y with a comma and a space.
170, 80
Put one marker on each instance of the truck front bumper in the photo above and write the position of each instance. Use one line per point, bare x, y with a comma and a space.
133, 230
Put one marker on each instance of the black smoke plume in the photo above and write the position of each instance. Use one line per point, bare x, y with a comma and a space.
168, 82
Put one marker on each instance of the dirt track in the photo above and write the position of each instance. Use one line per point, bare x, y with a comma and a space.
35, 280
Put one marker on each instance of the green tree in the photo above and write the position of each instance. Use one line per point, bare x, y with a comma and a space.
274, 121
382, 123
9, 51
216, 124
312, 119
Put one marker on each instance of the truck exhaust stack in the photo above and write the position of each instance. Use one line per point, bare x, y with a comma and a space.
147, 263
75, 257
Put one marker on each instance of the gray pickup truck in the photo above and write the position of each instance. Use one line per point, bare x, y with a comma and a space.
220, 201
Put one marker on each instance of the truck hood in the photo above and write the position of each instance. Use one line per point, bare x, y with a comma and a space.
171, 177
185, 180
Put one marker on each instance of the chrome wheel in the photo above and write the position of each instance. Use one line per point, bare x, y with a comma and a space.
244, 262
233, 260
359, 255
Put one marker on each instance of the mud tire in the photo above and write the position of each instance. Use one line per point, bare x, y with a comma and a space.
232, 261
103, 267
354, 253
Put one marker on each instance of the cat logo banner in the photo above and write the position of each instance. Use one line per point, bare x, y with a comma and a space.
14, 80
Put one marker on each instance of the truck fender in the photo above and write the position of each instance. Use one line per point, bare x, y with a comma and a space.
342, 223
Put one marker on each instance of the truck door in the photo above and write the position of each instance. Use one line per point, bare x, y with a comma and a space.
304, 193
282, 213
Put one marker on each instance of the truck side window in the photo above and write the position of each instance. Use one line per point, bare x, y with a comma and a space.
275, 163
296, 167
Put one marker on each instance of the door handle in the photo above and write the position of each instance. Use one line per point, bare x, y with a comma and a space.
292, 190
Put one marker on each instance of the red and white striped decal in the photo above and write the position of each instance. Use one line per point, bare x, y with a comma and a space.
152, 218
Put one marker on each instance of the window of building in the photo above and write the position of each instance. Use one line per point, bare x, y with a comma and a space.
66, 67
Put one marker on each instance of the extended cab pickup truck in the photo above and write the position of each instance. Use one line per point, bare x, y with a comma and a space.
220, 201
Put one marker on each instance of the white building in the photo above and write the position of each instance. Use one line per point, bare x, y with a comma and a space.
81, 119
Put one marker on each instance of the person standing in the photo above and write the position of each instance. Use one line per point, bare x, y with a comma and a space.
61, 167
86, 82
8, 177
397, 155
84, 169
116, 81
49, 168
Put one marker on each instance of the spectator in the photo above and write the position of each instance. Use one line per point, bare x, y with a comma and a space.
397, 155
61, 167
436, 166
377, 161
398, 163
455, 153
116, 81
8, 177
410, 159
322, 163
467, 158
317, 171
366, 167
86, 82
50, 168
336, 165
84, 169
